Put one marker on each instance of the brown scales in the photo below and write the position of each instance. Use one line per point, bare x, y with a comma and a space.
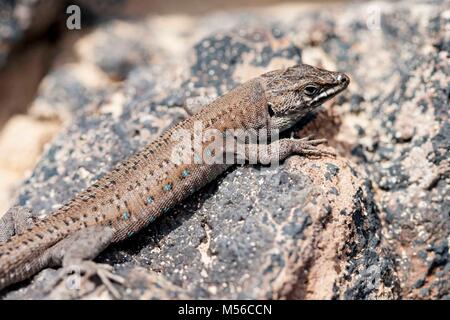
144, 186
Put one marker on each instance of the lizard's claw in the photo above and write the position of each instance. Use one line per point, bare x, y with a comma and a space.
77, 275
308, 137
309, 147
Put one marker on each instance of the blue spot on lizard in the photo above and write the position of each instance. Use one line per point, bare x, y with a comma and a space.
168, 187
165, 210
185, 173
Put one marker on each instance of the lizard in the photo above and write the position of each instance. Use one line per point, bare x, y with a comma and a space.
148, 183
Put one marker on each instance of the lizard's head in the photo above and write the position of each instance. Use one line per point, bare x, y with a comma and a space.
293, 92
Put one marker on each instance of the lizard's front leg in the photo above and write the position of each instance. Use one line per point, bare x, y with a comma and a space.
76, 252
281, 149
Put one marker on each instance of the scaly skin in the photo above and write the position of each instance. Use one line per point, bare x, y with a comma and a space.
149, 183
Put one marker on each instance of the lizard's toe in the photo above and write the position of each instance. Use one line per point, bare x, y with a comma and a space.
80, 278
310, 148
89, 270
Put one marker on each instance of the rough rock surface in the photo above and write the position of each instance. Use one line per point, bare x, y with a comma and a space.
371, 223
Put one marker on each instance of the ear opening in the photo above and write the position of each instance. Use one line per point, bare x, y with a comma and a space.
270, 110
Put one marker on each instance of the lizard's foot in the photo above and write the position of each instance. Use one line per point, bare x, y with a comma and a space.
308, 146
77, 275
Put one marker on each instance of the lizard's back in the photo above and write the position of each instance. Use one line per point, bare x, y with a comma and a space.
138, 190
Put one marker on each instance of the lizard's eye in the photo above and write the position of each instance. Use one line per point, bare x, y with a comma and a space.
310, 90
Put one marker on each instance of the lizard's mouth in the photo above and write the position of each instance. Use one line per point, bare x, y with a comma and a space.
341, 84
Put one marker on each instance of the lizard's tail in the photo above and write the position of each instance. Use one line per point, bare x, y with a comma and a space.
23, 255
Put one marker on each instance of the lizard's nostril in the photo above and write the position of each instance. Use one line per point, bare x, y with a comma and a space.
342, 78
